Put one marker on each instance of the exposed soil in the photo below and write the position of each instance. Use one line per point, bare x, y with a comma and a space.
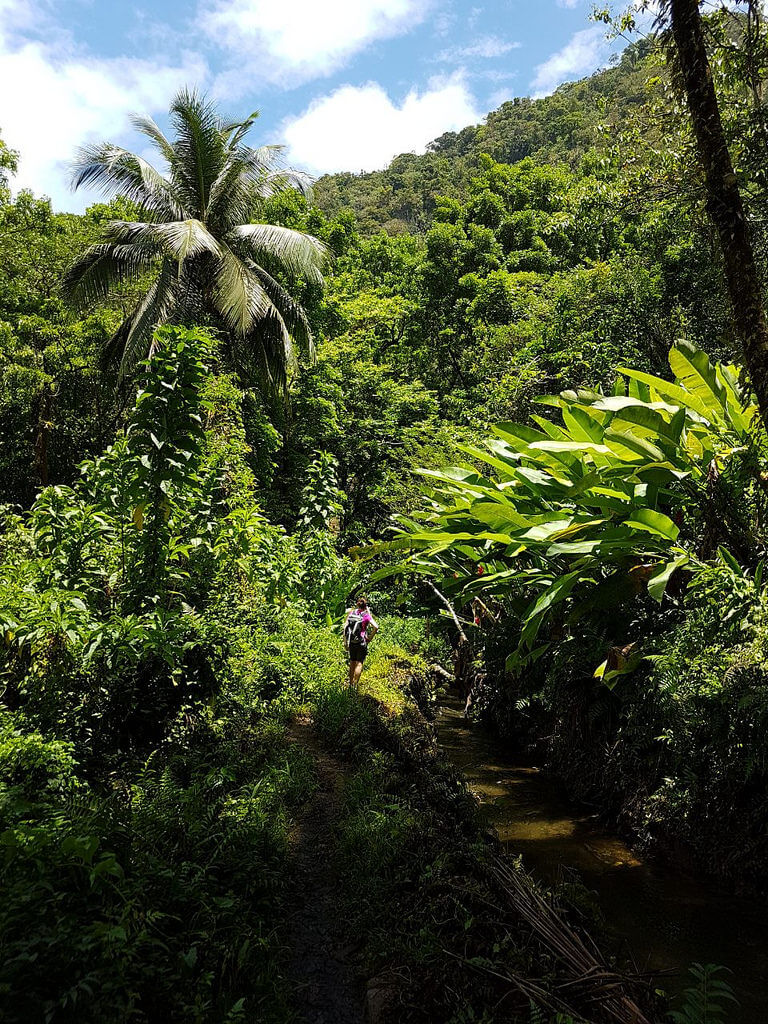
329, 988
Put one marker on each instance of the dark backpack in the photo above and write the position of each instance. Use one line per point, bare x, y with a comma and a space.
354, 629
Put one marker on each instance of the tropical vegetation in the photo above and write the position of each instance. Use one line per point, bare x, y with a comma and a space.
512, 388
195, 242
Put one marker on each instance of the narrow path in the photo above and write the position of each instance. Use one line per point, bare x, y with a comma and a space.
328, 987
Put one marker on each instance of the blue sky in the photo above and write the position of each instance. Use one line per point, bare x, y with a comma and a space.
344, 84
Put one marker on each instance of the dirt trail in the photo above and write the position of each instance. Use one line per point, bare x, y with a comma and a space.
328, 987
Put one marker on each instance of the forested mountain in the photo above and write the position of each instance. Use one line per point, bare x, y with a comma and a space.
505, 389
579, 118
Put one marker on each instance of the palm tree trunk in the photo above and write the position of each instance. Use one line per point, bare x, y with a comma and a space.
724, 202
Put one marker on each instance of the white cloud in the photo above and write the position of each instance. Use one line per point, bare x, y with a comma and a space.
51, 102
495, 74
359, 128
486, 48
15, 14
583, 54
296, 40
498, 97
445, 19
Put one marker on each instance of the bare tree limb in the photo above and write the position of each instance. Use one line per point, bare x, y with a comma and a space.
451, 610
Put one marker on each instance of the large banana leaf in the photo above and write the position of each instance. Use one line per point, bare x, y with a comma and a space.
568, 509
694, 371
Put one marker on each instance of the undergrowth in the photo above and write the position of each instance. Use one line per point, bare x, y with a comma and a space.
417, 867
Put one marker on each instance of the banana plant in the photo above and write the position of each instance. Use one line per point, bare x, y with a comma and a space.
583, 508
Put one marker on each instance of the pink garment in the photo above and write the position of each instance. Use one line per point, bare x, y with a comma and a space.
367, 617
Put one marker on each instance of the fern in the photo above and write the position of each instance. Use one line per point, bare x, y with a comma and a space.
707, 1001
537, 1015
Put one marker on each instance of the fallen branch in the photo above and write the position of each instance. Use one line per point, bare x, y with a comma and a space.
485, 609
529, 988
463, 655
438, 670
451, 611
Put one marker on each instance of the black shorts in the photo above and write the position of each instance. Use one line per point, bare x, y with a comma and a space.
357, 652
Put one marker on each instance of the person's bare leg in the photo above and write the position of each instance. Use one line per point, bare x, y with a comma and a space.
357, 672
351, 676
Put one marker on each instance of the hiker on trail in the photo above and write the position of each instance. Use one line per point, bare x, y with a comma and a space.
359, 629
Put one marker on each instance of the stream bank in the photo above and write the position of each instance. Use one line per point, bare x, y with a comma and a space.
658, 919
451, 929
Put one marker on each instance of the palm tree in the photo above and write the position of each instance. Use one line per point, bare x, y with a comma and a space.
207, 263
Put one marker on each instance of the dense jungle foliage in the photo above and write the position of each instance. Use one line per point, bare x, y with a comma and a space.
222, 420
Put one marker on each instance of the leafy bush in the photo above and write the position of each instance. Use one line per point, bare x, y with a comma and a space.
586, 515
158, 900
708, 1001
156, 631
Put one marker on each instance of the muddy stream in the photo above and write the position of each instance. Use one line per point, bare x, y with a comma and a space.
661, 920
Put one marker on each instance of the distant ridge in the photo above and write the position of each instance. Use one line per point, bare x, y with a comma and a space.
562, 127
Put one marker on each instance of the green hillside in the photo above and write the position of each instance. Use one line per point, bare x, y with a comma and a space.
579, 118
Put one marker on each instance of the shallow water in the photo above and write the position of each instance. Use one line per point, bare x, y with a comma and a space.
660, 919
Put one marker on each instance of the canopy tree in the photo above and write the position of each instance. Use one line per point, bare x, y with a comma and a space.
8, 163
195, 246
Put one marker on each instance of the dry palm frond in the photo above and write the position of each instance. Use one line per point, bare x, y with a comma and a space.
589, 982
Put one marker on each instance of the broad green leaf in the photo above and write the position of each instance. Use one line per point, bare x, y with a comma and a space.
729, 560
666, 429
581, 426
605, 546
653, 522
657, 583
550, 429
691, 366
739, 414
503, 466
569, 446
546, 530
630, 448
676, 394
554, 594
621, 403
518, 435
500, 516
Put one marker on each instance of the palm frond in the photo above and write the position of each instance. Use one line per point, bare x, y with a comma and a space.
133, 340
180, 239
263, 167
231, 200
112, 169
269, 347
235, 193
186, 238
102, 267
149, 127
237, 294
285, 180
298, 254
199, 149
235, 133
291, 313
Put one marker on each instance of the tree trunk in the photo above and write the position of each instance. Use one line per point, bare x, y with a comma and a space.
724, 202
